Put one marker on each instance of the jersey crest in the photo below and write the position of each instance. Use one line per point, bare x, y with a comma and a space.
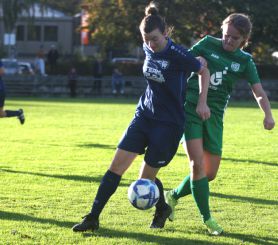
163, 63
235, 66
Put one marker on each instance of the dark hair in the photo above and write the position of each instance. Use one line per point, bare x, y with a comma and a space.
242, 23
152, 20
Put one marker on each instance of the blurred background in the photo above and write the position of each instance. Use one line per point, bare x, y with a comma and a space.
82, 33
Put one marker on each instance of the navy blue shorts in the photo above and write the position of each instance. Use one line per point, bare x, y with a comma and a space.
2, 98
158, 140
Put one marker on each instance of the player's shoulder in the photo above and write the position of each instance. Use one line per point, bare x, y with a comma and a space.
177, 49
212, 40
245, 54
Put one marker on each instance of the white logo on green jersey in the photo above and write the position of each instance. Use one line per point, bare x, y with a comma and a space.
215, 56
235, 66
216, 78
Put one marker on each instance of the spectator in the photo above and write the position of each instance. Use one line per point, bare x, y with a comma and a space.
118, 82
52, 58
97, 72
39, 62
72, 81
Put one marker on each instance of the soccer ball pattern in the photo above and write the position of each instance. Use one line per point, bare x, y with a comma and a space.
143, 194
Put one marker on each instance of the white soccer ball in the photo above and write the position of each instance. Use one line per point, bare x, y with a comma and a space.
143, 194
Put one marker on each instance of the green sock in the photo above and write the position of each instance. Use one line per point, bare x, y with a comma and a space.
200, 192
183, 189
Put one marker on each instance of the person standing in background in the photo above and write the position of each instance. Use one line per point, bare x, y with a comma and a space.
52, 57
97, 72
72, 81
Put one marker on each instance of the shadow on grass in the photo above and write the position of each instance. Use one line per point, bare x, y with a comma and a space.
275, 164
102, 146
245, 199
24, 217
143, 237
251, 161
252, 239
102, 232
97, 179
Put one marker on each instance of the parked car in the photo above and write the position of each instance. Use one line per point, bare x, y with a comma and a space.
10, 66
25, 68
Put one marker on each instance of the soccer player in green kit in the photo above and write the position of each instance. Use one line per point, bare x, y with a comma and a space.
227, 64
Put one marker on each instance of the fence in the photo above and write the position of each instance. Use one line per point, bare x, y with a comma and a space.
25, 85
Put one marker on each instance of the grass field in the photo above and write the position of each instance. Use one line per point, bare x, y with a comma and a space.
50, 169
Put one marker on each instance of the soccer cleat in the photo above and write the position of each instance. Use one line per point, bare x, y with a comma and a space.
88, 223
172, 202
21, 116
160, 217
213, 227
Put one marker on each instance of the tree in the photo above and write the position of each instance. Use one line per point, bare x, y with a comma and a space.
114, 23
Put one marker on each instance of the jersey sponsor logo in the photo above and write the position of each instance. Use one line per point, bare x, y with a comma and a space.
214, 56
235, 66
216, 79
153, 74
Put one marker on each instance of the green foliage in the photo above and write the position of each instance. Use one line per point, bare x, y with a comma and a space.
50, 169
114, 23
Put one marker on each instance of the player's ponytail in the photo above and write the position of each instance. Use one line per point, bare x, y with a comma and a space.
152, 20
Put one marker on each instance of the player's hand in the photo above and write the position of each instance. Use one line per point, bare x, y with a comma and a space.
203, 111
269, 122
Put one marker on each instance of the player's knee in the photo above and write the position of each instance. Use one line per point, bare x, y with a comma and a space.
211, 176
2, 113
196, 166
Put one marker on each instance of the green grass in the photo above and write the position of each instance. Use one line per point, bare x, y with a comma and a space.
50, 170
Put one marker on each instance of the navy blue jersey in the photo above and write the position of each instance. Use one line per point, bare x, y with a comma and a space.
166, 73
1, 81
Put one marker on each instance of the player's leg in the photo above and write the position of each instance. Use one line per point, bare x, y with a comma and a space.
193, 131
132, 144
163, 144
211, 164
109, 184
2, 102
9, 113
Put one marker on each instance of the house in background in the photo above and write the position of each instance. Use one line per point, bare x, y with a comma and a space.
44, 28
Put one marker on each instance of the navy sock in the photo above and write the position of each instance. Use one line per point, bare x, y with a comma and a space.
12, 113
106, 189
161, 204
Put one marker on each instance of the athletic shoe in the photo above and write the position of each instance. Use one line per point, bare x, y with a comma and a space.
172, 202
21, 116
88, 223
160, 217
213, 227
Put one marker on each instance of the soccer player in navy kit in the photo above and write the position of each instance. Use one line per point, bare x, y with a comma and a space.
158, 124
7, 113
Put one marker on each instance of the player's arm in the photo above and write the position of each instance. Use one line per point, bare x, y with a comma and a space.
2, 71
264, 104
204, 76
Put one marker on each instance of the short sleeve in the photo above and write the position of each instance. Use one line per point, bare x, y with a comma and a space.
251, 73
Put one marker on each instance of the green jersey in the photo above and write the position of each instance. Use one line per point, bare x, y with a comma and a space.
226, 68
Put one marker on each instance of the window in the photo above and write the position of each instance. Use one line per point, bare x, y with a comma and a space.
51, 33
20, 31
34, 33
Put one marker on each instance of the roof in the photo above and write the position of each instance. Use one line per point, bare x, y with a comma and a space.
41, 11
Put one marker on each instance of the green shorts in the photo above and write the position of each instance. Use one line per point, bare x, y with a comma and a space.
211, 130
